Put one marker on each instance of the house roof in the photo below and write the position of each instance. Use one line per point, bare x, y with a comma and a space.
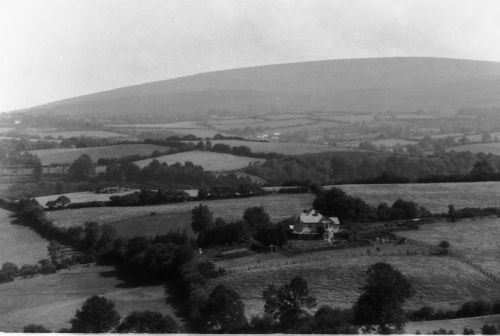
314, 217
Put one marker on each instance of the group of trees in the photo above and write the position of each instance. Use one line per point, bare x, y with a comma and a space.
98, 315
255, 223
10, 270
361, 167
288, 308
335, 202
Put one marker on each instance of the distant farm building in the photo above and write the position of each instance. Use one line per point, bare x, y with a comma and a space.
55, 169
312, 225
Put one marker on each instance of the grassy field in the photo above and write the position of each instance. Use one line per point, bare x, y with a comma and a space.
493, 148
288, 148
438, 281
84, 196
131, 220
68, 155
91, 134
18, 244
476, 238
208, 160
52, 300
172, 125
435, 196
456, 325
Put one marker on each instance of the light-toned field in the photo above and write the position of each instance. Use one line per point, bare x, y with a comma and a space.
311, 127
91, 134
172, 125
84, 196
348, 118
493, 148
52, 300
438, 281
128, 220
392, 142
288, 148
69, 155
434, 196
208, 160
5, 129
19, 244
455, 325
475, 238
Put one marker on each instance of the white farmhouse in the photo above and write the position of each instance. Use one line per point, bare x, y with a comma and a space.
311, 224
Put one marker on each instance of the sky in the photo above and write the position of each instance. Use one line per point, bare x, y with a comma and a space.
55, 49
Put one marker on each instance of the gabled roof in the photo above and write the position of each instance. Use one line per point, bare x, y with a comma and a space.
314, 217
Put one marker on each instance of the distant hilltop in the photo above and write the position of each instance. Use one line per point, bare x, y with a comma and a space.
372, 84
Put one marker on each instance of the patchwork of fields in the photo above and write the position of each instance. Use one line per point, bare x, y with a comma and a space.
18, 244
69, 155
208, 160
52, 300
84, 196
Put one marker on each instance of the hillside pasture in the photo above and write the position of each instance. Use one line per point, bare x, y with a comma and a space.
475, 238
84, 196
455, 325
434, 196
69, 155
172, 125
208, 160
90, 134
131, 220
19, 244
52, 300
493, 148
392, 142
438, 281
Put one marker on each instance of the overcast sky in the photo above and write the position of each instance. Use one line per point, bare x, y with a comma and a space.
55, 49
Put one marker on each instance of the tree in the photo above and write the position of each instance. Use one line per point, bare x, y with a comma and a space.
287, 303
336, 202
444, 244
489, 330
328, 320
148, 322
483, 168
224, 311
10, 269
97, 315
380, 304
82, 168
202, 218
256, 218
35, 328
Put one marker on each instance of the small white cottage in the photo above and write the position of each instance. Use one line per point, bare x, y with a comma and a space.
311, 223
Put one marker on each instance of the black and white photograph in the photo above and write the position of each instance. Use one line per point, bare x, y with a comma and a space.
250, 166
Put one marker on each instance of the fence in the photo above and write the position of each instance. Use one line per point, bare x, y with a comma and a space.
453, 254
308, 260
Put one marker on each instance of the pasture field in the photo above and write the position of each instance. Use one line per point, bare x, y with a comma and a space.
493, 148
129, 220
288, 148
284, 116
311, 127
84, 196
392, 142
475, 238
91, 134
52, 300
456, 325
69, 155
352, 118
178, 124
434, 196
232, 122
19, 244
208, 160
438, 281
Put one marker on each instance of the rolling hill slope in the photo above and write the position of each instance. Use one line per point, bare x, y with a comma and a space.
377, 84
